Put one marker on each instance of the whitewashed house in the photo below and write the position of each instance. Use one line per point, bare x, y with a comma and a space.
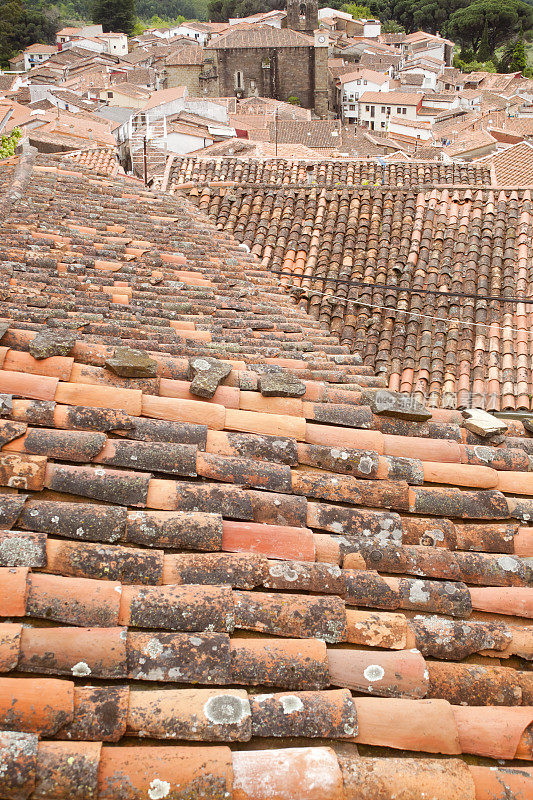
353, 84
410, 131
376, 108
193, 30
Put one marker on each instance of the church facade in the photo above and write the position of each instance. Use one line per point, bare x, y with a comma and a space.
271, 62
289, 64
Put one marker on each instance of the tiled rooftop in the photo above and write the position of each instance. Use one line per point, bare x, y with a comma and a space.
259, 577
376, 251
514, 166
470, 142
325, 174
103, 161
255, 36
186, 56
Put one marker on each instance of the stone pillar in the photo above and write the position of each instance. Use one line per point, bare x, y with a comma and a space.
320, 88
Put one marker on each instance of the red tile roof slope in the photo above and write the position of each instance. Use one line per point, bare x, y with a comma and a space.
102, 160
250, 596
256, 36
514, 166
377, 251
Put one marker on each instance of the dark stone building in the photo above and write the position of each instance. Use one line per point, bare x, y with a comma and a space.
302, 15
183, 68
269, 62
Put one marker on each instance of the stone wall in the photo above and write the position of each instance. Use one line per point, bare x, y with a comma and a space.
268, 72
302, 15
184, 75
321, 84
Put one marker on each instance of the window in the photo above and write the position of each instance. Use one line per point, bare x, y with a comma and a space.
365, 83
359, 82
239, 80
404, 111
388, 109
382, 109
382, 124
110, 94
398, 110
367, 108
352, 108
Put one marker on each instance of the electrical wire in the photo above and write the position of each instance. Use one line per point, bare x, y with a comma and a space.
463, 323
395, 288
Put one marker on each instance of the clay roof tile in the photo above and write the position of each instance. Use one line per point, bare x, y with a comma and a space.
303, 541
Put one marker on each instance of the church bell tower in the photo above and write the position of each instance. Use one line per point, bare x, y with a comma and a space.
302, 15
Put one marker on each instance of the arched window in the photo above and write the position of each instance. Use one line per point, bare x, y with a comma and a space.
303, 11
239, 80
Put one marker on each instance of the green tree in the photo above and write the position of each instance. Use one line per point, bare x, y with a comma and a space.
9, 142
222, 10
115, 15
467, 55
504, 19
518, 60
11, 15
22, 24
170, 9
414, 15
506, 55
357, 12
474, 66
483, 51
391, 26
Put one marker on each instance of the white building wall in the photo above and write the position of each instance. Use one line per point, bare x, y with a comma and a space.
115, 45
167, 109
182, 143
92, 30
205, 108
86, 44
331, 13
375, 116
371, 29
199, 36
429, 78
423, 133
434, 49
34, 59
352, 91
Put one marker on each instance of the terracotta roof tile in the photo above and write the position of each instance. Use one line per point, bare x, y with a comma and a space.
513, 166
256, 36
362, 558
186, 56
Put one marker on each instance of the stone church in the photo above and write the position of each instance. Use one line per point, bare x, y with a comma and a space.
281, 63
